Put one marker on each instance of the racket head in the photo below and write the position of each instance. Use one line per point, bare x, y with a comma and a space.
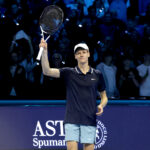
51, 19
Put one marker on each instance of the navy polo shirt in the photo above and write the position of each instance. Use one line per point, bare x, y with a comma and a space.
81, 95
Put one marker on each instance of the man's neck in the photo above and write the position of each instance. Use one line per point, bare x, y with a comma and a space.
147, 63
108, 63
84, 67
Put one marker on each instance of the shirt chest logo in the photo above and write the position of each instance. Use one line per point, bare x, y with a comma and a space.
93, 79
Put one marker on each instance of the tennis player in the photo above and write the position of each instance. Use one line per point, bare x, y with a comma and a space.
82, 84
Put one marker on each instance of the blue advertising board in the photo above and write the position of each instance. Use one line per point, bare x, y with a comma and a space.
121, 127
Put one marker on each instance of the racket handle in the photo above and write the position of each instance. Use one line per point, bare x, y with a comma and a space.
39, 54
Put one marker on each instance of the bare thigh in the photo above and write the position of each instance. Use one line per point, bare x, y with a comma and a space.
72, 145
88, 147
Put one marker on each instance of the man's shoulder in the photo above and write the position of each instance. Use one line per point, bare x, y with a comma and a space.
141, 66
67, 70
96, 71
100, 64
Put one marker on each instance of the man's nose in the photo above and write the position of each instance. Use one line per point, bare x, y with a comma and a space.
81, 54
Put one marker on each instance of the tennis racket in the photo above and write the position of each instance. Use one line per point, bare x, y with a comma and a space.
50, 21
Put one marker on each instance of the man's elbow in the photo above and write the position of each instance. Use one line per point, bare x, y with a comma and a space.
106, 99
45, 72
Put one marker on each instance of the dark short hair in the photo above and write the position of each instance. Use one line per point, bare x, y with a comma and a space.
79, 48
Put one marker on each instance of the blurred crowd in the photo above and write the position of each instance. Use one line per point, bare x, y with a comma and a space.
117, 33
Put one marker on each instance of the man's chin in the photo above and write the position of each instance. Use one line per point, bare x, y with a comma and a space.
82, 62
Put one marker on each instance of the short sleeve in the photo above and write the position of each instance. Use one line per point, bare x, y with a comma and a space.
141, 70
64, 72
101, 83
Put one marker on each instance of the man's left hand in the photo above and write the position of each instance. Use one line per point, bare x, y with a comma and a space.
100, 110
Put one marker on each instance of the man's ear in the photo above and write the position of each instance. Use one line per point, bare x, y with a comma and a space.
89, 54
75, 56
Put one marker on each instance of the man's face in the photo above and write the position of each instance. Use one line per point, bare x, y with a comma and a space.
14, 57
108, 59
14, 9
82, 56
147, 57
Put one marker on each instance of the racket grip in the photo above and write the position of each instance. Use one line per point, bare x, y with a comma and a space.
39, 54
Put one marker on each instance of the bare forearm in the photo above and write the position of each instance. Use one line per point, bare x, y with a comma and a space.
135, 82
52, 72
103, 103
45, 63
104, 99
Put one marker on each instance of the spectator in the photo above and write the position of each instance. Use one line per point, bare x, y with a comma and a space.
22, 44
132, 44
107, 44
106, 26
145, 42
15, 79
88, 3
144, 73
120, 8
101, 7
16, 17
145, 18
2, 9
128, 79
109, 70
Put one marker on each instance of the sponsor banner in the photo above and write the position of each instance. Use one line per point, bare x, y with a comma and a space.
41, 127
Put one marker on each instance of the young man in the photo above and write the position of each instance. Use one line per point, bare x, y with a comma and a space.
82, 83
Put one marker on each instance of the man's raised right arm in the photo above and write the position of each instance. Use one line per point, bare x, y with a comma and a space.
52, 72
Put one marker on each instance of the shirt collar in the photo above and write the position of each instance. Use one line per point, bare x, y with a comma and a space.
80, 72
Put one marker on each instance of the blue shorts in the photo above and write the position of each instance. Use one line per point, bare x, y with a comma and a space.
80, 133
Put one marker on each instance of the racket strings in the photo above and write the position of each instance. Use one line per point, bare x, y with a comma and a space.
51, 19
